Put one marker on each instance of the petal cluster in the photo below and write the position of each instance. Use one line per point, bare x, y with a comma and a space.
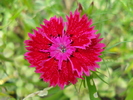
64, 51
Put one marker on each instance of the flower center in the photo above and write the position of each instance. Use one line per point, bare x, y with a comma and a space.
61, 48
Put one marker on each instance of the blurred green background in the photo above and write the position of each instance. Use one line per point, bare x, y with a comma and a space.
112, 18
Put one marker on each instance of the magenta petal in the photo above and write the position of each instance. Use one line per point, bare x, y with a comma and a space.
80, 30
54, 27
58, 77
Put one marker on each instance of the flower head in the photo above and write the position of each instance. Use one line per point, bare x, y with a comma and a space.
64, 51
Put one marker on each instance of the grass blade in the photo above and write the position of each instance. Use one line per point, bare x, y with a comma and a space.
116, 45
92, 88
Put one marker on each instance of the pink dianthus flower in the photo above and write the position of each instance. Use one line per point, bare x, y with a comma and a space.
64, 51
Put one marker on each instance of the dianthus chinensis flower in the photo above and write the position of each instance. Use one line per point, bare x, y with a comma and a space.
64, 51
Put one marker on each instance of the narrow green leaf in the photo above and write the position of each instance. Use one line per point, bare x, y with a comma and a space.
80, 85
116, 44
16, 14
76, 88
100, 77
101, 73
92, 88
106, 66
84, 82
99, 13
129, 91
100, 21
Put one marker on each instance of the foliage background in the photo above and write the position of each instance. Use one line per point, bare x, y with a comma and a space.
112, 18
